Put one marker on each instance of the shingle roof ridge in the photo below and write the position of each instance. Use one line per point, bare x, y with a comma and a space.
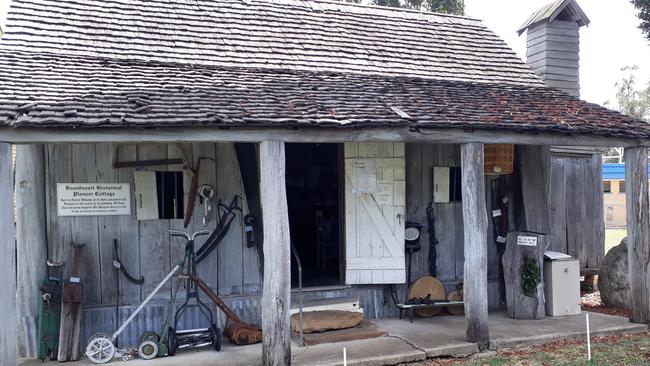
302, 34
341, 5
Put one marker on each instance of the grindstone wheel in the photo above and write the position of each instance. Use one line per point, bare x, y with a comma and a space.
215, 335
172, 342
100, 349
431, 287
148, 350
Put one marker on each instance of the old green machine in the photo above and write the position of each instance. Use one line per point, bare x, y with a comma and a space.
49, 314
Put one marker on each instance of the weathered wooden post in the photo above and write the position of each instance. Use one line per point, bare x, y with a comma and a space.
638, 232
31, 241
475, 292
276, 290
8, 339
524, 255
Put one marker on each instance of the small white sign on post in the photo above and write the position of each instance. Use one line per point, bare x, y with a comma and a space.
528, 241
93, 199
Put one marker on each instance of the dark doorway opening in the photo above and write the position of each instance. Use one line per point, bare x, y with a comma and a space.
313, 202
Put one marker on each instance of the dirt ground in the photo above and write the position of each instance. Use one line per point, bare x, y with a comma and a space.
611, 350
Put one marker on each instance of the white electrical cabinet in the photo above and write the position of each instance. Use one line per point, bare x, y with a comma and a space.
562, 287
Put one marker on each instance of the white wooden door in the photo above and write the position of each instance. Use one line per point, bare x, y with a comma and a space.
374, 213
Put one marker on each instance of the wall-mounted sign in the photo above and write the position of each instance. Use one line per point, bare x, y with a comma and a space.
364, 176
529, 241
93, 199
384, 193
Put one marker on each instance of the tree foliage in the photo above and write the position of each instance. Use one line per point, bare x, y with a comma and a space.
456, 7
644, 14
633, 101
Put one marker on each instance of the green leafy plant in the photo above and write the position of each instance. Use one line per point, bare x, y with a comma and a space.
530, 276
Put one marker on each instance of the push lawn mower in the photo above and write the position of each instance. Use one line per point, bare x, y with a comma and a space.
101, 347
192, 338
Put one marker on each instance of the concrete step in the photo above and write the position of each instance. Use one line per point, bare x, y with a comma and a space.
335, 303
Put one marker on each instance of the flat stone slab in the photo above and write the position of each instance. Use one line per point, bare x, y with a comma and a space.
324, 320
365, 330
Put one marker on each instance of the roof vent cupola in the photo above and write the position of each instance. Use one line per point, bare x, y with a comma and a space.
553, 44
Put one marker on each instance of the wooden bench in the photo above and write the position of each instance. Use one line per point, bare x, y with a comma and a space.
412, 307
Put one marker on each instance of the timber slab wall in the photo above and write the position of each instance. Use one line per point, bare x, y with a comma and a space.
420, 160
146, 247
232, 269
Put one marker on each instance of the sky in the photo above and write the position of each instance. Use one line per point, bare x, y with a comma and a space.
610, 42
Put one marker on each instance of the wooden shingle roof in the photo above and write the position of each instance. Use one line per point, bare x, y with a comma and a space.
286, 34
88, 92
272, 63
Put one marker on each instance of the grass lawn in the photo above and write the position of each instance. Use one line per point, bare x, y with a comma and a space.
610, 350
613, 238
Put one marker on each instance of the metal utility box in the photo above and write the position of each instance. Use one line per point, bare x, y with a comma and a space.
562, 287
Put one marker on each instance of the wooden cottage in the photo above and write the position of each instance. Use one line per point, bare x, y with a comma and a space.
330, 124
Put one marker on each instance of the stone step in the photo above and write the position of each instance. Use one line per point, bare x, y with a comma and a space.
335, 303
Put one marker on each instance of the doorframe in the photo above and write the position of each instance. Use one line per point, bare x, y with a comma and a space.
342, 223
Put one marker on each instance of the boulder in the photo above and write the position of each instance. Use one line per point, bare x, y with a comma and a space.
613, 279
321, 321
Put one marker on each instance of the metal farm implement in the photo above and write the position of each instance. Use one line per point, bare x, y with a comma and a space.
101, 347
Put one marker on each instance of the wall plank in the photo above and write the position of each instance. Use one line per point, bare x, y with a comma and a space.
534, 166
558, 205
155, 253
108, 227
8, 339
595, 212
416, 210
231, 279
85, 230
129, 232
208, 270
59, 163
31, 240
176, 244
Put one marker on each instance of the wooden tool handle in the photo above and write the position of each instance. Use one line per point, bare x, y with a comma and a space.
216, 300
189, 211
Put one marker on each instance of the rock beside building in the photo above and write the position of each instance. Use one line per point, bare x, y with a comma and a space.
613, 279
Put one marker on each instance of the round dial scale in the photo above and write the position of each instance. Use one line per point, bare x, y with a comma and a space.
412, 234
